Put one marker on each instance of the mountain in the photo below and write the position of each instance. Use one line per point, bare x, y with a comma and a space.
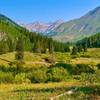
8, 27
77, 29
7, 20
73, 30
36, 27
41, 27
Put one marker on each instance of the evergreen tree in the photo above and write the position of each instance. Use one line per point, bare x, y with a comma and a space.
85, 47
11, 44
74, 50
67, 48
90, 42
19, 56
19, 49
80, 48
51, 48
3, 47
37, 47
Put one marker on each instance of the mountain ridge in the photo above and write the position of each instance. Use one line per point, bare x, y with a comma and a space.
41, 27
79, 28
76, 29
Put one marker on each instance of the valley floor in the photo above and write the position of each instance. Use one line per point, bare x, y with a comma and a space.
49, 91
35, 59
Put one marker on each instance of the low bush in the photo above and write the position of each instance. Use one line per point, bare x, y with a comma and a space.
55, 73
83, 68
38, 76
98, 66
21, 78
6, 77
58, 74
68, 67
50, 59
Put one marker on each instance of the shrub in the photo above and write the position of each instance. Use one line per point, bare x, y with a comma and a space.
87, 78
3, 47
3, 68
98, 66
6, 77
50, 59
21, 78
58, 74
74, 51
68, 67
97, 76
83, 68
39, 76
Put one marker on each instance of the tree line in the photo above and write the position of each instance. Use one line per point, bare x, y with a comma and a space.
33, 42
84, 44
90, 42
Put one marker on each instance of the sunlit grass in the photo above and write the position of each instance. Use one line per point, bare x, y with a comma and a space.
35, 59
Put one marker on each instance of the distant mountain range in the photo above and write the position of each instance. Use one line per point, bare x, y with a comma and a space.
41, 27
73, 30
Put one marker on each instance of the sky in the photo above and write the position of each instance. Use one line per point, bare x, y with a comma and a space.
46, 10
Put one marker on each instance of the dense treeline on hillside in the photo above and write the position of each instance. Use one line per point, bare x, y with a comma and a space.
45, 44
32, 41
90, 42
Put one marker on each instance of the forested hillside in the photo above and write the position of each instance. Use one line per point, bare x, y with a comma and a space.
10, 32
91, 42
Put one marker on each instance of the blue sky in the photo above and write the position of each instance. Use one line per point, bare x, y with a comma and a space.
46, 10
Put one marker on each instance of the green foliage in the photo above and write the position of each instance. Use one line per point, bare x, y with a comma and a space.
68, 67
98, 66
11, 44
19, 56
80, 48
3, 47
67, 48
6, 77
83, 68
97, 76
21, 78
87, 78
90, 42
19, 49
74, 50
58, 74
39, 76
31, 40
42, 43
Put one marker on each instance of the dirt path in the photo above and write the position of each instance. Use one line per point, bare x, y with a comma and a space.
63, 94
37, 62
5, 60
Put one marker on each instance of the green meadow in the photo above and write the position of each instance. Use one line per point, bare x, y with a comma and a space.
42, 79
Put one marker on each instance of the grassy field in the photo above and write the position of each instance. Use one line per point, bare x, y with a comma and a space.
34, 59
48, 91
37, 91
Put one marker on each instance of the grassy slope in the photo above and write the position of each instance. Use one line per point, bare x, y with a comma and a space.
33, 59
91, 57
10, 30
30, 59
